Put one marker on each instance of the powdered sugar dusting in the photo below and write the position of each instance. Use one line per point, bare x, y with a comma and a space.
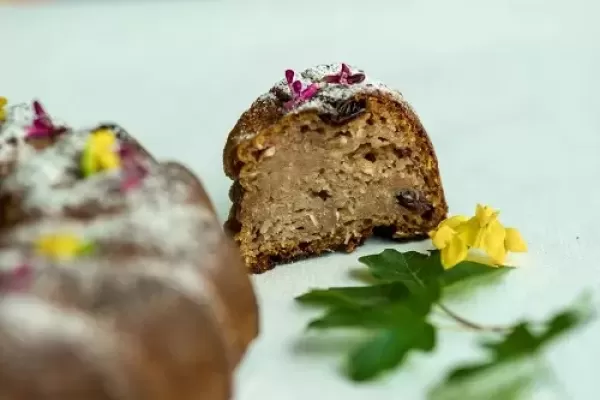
27, 316
174, 229
328, 93
13, 132
51, 181
155, 215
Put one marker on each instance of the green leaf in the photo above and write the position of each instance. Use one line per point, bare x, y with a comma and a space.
358, 296
412, 268
365, 317
507, 381
416, 269
395, 309
391, 346
469, 270
410, 275
508, 361
377, 316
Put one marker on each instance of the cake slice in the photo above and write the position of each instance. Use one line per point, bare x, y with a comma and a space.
325, 159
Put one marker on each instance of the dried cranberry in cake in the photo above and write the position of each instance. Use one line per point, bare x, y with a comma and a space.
321, 161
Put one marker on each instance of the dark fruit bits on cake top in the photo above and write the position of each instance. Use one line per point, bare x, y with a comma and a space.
324, 159
344, 111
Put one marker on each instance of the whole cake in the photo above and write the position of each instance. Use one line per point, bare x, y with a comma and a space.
116, 280
322, 161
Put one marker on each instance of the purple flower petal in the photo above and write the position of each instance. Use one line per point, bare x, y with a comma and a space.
332, 79
289, 76
296, 88
309, 92
345, 70
38, 109
19, 279
41, 119
126, 150
133, 169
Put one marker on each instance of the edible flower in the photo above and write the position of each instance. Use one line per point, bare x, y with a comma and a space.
344, 77
100, 153
455, 236
132, 167
299, 93
62, 246
3, 103
16, 280
42, 125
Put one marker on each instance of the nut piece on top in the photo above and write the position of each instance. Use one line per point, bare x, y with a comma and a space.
325, 159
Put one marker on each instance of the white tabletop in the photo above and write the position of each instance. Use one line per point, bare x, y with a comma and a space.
508, 91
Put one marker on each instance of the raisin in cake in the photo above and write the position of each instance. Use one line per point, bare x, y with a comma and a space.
322, 161
116, 282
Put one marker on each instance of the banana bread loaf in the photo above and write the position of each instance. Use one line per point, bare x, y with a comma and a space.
322, 161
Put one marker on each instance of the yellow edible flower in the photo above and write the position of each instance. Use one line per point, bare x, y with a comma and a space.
3, 102
99, 153
456, 235
61, 246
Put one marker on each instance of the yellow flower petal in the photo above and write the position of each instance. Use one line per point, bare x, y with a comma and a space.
453, 221
109, 160
497, 254
99, 153
59, 247
3, 102
442, 237
469, 231
492, 241
454, 253
514, 241
485, 214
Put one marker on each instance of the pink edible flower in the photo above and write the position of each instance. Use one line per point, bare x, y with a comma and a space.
299, 94
132, 168
42, 123
344, 77
16, 280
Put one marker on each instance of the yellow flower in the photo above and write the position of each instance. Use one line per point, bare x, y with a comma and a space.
456, 235
99, 153
61, 246
3, 102
514, 241
452, 247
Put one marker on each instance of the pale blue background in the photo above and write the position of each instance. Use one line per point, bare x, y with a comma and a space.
507, 89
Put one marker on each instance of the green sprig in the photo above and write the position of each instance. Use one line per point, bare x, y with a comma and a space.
396, 309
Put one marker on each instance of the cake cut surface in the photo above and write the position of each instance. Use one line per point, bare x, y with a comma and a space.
324, 160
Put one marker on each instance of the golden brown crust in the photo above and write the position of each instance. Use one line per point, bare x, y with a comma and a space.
261, 115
